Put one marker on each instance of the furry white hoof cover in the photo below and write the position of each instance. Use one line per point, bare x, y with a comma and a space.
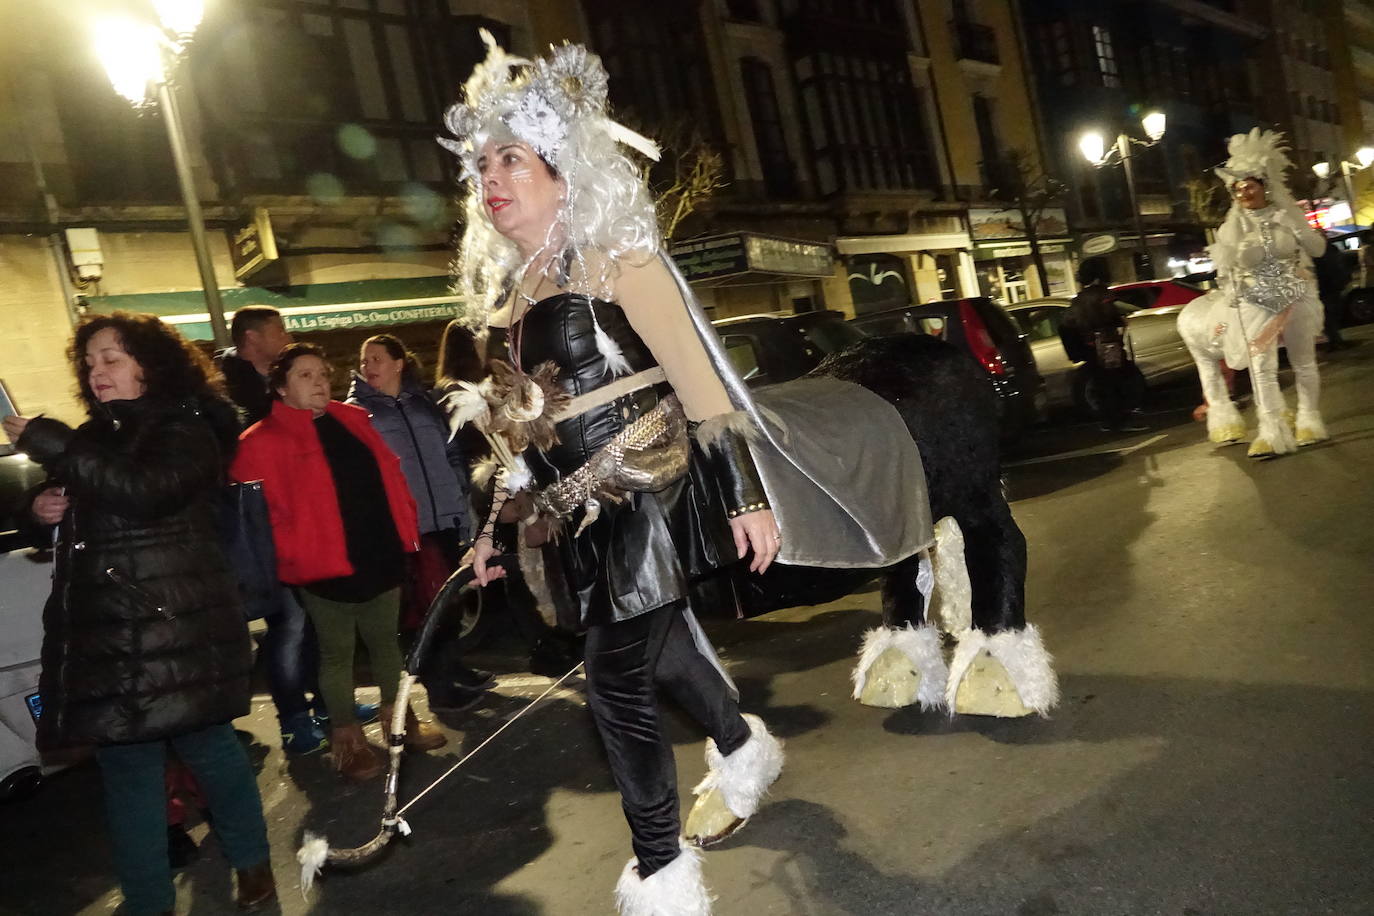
677, 889
1311, 429
898, 667
1275, 437
743, 778
986, 668
1224, 423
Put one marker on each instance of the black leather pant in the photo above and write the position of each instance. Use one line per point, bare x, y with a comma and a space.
626, 662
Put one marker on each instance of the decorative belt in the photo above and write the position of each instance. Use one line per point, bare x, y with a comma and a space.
645, 456
608, 393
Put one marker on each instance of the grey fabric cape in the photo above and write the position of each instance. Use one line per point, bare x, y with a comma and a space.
841, 470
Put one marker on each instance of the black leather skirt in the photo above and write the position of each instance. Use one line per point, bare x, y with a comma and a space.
642, 553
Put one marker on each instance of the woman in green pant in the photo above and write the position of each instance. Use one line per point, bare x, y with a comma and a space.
343, 520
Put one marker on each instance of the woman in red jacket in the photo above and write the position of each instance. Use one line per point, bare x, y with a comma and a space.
343, 520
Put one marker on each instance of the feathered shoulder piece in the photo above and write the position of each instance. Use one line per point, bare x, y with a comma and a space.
1259, 154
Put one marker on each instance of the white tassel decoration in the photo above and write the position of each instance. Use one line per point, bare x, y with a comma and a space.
312, 855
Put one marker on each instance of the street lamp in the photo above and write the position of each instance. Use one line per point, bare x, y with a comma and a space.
1364, 158
1093, 146
139, 57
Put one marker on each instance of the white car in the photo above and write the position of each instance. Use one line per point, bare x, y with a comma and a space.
25, 583
1151, 334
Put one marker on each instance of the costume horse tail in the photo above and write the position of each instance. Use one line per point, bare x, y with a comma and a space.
315, 852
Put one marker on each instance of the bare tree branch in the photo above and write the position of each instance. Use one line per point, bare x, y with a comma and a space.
1028, 192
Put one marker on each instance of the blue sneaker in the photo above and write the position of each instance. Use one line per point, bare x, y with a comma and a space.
302, 735
364, 713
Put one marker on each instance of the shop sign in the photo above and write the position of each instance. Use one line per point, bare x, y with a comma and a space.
1095, 245
1006, 224
309, 318
785, 256
347, 318
726, 255
253, 246
1337, 214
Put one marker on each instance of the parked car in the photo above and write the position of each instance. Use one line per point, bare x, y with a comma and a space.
985, 330
25, 581
775, 347
1157, 294
1152, 335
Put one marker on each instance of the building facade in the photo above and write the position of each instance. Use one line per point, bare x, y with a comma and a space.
862, 146
1101, 65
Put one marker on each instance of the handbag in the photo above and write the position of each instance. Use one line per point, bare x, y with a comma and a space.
246, 535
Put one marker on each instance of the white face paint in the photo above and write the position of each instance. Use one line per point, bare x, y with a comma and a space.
520, 195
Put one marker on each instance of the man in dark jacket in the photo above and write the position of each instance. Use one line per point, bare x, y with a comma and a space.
259, 334
1094, 333
1334, 270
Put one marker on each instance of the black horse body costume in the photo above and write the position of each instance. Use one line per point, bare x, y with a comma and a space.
973, 580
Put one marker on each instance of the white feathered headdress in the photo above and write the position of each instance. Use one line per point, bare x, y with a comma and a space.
1259, 154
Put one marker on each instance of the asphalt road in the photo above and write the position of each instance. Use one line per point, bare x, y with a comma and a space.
1211, 622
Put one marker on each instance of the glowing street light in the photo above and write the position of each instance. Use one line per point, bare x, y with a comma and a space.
1365, 156
131, 53
1093, 147
138, 58
1153, 123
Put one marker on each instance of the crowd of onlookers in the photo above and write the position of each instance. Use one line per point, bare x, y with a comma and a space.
147, 647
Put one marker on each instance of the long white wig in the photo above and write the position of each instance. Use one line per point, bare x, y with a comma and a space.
557, 105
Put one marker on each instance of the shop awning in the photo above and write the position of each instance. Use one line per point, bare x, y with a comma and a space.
1017, 247
305, 308
740, 256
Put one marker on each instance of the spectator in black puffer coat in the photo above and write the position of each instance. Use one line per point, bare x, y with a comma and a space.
145, 642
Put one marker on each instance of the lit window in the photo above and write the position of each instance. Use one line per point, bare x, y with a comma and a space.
1106, 57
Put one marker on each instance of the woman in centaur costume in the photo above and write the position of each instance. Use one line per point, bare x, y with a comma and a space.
596, 374
1268, 294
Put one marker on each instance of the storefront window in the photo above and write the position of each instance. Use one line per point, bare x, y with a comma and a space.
878, 282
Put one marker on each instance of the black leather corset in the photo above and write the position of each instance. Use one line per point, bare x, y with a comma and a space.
560, 329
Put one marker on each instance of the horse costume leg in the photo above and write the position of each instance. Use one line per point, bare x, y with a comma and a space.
1000, 666
901, 662
1202, 324
1300, 337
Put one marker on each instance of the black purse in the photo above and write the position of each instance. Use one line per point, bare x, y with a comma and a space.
246, 535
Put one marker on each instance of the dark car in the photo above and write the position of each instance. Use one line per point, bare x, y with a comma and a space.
987, 332
771, 348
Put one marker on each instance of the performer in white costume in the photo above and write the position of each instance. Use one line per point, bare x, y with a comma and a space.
1268, 294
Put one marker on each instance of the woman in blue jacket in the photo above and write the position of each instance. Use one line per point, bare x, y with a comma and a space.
388, 386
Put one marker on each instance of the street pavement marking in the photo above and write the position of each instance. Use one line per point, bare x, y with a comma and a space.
1087, 452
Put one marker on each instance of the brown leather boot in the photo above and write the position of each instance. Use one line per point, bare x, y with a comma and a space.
256, 885
420, 736
354, 758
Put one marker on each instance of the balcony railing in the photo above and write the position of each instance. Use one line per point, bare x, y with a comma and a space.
974, 42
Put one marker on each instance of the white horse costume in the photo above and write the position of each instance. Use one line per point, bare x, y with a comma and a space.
1268, 293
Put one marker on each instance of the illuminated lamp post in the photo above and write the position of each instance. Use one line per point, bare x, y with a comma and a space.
139, 59
1093, 147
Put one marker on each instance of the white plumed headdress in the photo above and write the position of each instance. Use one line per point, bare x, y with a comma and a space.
1259, 154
